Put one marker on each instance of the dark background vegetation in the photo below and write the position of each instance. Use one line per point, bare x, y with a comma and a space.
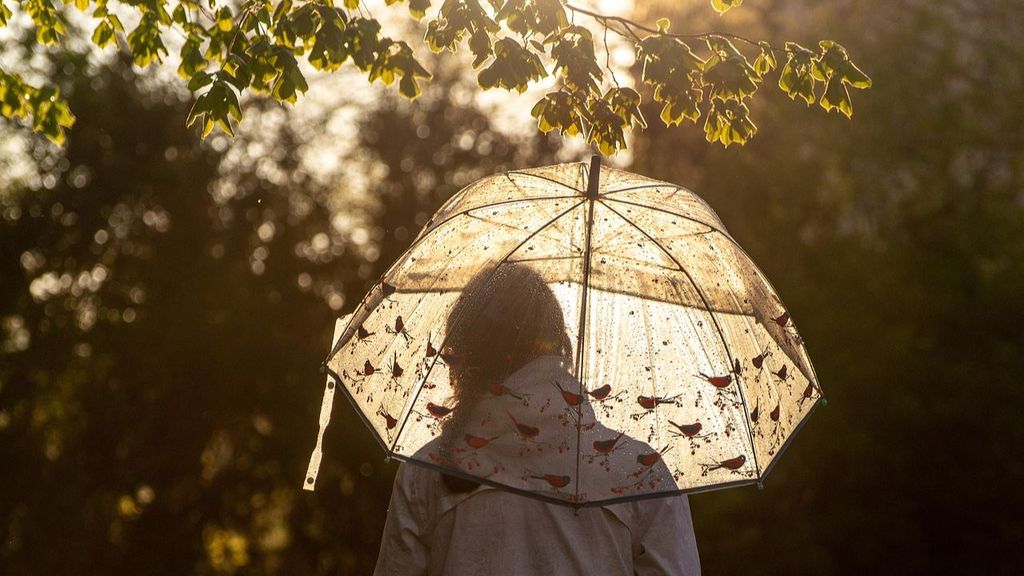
164, 307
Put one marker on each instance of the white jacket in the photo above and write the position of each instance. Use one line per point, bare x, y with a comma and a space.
493, 532
490, 532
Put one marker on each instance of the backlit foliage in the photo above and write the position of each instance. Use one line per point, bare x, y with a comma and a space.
231, 48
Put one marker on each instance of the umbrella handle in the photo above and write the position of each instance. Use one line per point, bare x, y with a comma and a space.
325, 418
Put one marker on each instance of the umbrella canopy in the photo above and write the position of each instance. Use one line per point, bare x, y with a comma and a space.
578, 334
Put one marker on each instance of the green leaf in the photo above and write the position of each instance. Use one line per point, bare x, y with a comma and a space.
625, 102
403, 63
225, 20
834, 68
192, 60
200, 80
418, 8
215, 108
797, 79
728, 72
103, 34
559, 111
837, 97
723, 6
728, 122
765, 61
49, 23
606, 127
573, 52
549, 16
663, 56
50, 113
289, 79
5, 14
513, 67
854, 76
115, 22
480, 46
330, 49
145, 42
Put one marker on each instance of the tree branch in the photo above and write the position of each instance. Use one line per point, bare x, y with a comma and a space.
631, 24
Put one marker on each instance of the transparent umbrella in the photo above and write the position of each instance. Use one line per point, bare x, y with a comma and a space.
582, 335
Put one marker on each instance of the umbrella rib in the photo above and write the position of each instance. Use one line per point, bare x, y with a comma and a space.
676, 214
341, 342
552, 180
500, 261
800, 365
718, 327
642, 187
481, 207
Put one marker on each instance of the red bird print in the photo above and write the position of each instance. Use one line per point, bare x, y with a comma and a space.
362, 333
688, 430
648, 459
600, 393
808, 392
389, 420
525, 430
438, 411
431, 351
782, 319
554, 480
386, 289
649, 402
368, 369
570, 398
396, 368
754, 415
730, 464
399, 328
758, 360
774, 414
717, 381
782, 373
477, 441
606, 446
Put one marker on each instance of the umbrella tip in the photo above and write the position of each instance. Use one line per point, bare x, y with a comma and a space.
595, 177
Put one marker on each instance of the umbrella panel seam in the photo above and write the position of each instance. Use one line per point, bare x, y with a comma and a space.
408, 409
718, 328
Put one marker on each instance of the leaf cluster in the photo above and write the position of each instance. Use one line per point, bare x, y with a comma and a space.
257, 46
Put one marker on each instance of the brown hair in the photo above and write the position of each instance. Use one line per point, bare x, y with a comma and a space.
505, 317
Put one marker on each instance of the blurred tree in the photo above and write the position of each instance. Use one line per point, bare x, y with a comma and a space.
231, 47
161, 305
147, 405
898, 244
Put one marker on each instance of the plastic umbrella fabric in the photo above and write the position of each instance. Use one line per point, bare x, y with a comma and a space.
578, 334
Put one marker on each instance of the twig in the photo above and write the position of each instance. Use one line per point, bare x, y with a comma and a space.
608, 57
631, 24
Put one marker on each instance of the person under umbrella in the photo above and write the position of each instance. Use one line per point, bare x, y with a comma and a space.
513, 400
